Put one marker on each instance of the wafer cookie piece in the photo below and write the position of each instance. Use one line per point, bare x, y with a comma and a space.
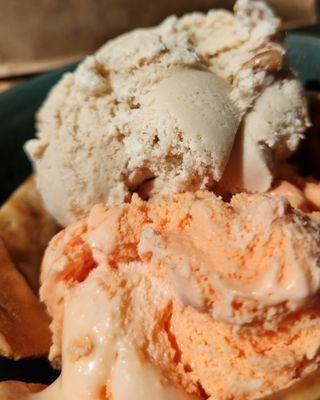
23, 321
26, 228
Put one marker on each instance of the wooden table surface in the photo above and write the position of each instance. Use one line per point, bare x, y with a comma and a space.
7, 84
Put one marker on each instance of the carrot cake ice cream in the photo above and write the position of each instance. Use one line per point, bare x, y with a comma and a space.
184, 296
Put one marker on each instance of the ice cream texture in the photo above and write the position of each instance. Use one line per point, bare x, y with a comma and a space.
198, 102
184, 296
165, 290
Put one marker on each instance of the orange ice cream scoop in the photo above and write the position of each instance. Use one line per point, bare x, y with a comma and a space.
184, 297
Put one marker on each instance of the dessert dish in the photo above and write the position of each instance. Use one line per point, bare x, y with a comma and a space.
189, 263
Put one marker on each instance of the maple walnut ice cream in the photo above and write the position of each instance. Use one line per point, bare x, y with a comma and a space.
191, 104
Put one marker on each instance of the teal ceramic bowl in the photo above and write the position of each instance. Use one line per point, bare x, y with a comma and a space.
17, 112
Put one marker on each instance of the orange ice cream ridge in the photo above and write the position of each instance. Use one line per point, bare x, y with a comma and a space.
184, 297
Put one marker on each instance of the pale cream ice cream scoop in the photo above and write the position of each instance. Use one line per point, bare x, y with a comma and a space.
184, 297
269, 134
159, 110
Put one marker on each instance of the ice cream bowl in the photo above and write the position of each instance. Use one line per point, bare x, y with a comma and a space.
17, 127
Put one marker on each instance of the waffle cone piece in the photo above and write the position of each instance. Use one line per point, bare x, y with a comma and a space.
12, 390
23, 321
25, 229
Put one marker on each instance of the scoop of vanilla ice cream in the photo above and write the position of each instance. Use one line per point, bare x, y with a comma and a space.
158, 110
